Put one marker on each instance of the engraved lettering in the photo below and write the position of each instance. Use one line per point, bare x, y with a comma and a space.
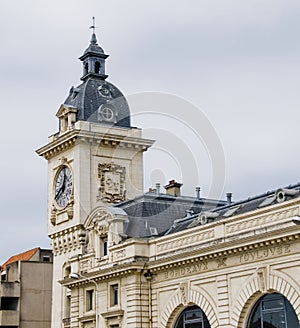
205, 265
187, 270
279, 250
272, 250
268, 252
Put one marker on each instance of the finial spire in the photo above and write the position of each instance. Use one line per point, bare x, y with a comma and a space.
93, 38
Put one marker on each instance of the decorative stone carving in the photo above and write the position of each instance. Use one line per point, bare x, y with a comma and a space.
118, 255
262, 279
221, 261
185, 241
261, 220
111, 181
68, 240
105, 228
57, 216
53, 214
183, 287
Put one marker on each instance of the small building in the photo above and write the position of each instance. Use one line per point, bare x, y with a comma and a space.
26, 290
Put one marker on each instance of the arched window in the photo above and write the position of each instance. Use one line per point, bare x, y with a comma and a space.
273, 311
192, 317
97, 67
86, 68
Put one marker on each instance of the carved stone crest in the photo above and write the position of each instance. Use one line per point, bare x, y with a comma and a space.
111, 180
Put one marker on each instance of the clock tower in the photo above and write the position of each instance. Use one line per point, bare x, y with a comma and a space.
95, 160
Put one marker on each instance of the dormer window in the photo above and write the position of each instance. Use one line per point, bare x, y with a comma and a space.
97, 67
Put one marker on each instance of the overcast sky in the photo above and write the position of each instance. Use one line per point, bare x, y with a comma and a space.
237, 61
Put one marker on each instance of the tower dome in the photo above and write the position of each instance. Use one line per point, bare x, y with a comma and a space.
95, 99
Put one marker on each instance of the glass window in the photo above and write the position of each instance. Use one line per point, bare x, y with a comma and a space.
273, 311
9, 303
97, 67
89, 300
192, 317
114, 295
104, 247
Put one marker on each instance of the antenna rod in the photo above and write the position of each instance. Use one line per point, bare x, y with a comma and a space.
93, 26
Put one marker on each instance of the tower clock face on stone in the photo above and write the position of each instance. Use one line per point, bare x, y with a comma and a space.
63, 186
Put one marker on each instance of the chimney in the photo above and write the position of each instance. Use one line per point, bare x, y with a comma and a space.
198, 192
229, 197
173, 188
157, 185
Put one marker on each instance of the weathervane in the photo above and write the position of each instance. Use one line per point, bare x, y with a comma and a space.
93, 26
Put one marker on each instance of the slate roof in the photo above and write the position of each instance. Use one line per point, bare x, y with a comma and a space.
25, 256
240, 207
87, 98
152, 214
96, 93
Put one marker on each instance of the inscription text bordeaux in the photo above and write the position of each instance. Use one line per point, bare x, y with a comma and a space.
186, 270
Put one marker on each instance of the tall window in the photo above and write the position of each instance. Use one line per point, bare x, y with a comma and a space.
104, 246
97, 67
114, 295
86, 68
192, 317
89, 300
273, 311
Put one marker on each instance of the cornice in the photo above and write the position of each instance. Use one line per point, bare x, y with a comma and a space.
67, 140
221, 249
229, 227
116, 271
190, 257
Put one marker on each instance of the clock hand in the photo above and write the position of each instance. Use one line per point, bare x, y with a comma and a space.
62, 187
59, 192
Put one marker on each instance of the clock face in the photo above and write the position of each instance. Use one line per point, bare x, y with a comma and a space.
106, 113
63, 186
104, 90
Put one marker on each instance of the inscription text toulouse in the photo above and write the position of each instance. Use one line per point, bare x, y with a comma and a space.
264, 253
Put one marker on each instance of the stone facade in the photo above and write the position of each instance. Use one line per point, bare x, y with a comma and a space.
106, 166
223, 267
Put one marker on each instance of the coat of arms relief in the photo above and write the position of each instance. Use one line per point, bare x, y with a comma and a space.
111, 181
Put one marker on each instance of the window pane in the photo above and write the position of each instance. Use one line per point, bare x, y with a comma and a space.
192, 317
274, 319
273, 311
273, 304
193, 325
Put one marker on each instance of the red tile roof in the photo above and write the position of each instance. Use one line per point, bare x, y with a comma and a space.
25, 256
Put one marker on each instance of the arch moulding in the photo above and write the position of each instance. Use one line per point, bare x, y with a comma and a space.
260, 283
183, 298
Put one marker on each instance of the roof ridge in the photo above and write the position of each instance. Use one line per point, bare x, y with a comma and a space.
24, 256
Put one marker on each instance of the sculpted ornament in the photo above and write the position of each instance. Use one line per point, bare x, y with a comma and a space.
183, 287
262, 279
111, 181
56, 213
